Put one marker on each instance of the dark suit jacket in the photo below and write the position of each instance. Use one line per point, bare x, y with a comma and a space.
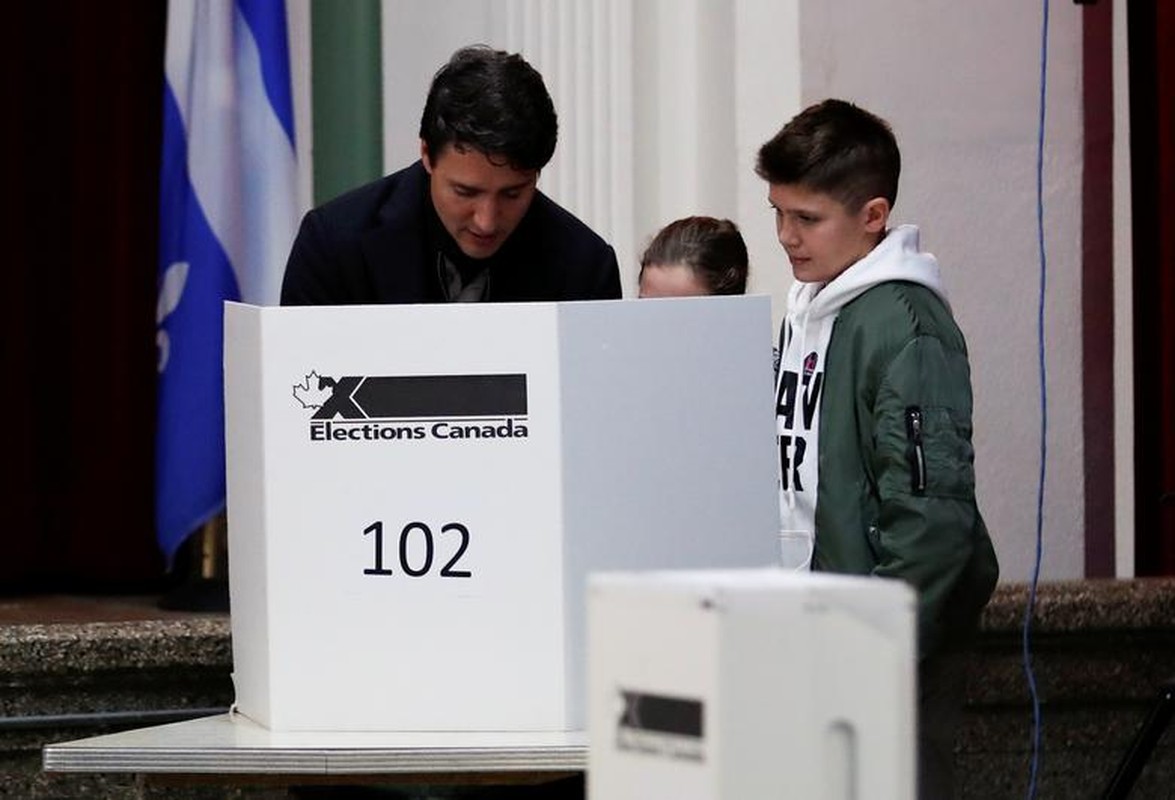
370, 245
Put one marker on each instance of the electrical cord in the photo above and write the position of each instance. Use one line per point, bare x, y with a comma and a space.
1031, 607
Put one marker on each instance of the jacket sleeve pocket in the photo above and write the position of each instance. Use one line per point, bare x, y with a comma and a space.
923, 427
930, 455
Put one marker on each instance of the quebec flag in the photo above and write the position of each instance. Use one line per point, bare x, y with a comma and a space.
228, 213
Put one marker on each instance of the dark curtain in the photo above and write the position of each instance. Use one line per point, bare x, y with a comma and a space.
1097, 287
81, 141
1152, 142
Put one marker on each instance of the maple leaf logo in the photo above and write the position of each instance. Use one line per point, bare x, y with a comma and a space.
314, 391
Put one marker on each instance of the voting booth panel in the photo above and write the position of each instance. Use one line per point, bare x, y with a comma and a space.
707, 685
416, 495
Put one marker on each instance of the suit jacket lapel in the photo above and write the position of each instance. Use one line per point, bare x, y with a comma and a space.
395, 248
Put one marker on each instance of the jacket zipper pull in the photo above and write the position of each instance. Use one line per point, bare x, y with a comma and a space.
917, 456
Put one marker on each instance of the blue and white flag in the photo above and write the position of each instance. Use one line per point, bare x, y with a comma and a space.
228, 214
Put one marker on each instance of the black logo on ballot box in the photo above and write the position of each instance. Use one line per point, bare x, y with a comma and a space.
413, 407
660, 725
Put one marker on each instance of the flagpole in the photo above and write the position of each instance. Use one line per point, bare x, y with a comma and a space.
203, 561
214, 549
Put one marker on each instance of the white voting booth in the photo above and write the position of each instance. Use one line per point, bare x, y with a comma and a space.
416, 495
709, 685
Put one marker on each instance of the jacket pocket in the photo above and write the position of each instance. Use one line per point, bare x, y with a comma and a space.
915, 451
924, 451
947, 456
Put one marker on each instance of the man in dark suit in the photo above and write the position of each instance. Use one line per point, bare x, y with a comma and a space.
466, 222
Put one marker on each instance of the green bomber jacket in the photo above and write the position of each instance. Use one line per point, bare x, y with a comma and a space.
896, 494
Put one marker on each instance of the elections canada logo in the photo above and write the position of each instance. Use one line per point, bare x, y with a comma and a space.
659, 725
413, 407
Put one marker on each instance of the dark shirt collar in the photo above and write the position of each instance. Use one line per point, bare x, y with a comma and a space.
439, 241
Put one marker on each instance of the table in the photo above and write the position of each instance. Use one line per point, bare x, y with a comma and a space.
233, 746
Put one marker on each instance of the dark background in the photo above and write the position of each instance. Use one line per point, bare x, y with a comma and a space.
82, 91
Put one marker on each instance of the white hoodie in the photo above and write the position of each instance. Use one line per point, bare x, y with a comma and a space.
807, 329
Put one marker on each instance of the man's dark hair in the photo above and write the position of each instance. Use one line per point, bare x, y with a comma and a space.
494, 102
836, 148
713, 248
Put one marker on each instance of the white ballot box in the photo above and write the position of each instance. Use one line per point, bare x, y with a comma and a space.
416, 495
712, 684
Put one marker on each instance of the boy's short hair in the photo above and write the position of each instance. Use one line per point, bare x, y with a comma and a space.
713, 248
494, 102
837, 148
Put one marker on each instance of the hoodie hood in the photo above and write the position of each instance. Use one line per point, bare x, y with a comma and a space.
895, 258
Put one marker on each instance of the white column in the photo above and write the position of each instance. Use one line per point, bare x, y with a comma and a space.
583, 48
767, 94
712, 82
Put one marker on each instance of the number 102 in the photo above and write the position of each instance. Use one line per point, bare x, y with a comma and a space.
421, 532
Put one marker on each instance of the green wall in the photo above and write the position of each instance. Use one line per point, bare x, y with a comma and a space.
347, 89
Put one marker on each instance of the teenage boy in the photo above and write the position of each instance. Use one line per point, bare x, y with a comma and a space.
873, 399
466, 222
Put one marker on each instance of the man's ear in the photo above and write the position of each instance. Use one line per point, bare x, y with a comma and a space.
875, 214
424, 157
